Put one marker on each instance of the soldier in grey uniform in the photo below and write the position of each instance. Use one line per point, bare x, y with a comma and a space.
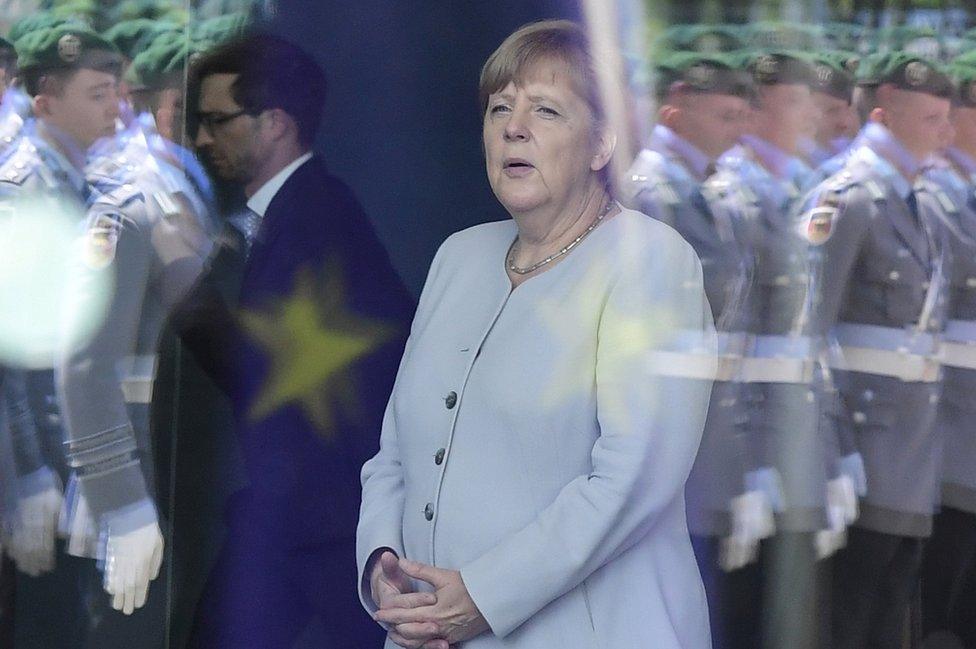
703, 99
947, 571
146, 228
882, 263
760, 180
70, 75
833, 85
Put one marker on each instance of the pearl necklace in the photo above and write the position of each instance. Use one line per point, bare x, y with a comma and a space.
525, 271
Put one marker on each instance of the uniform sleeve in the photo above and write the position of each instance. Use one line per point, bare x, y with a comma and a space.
381, 512
100, 442
22, 430
650, 428
833, 260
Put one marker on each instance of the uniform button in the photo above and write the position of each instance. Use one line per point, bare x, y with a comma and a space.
429, 511
860, 418
894, 275
971, 282
451, 399
439, 457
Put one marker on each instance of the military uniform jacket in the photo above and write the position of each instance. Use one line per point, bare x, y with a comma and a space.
953, 188
785, 427
33, 176
661, 185
876, 266
146, 235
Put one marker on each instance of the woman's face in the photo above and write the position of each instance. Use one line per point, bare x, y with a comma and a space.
540, 149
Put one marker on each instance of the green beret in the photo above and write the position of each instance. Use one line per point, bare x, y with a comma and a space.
964, 76
84, 11
711, 73
921, 41
223, 28
33, 22
771, 67
66, 46
161, 65
151, 9
708, 39
133, 36
783, 36
843, 36
834, 73
906, 71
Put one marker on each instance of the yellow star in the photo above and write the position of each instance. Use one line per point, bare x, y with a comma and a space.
313, 341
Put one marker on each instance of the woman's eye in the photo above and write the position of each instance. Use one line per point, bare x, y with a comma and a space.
498, 108
548, 111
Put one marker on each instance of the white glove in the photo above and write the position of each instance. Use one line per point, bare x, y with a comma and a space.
34, 524
132, 559
842, 495
752, 521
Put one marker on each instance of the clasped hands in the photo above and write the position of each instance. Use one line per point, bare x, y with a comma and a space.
423, 620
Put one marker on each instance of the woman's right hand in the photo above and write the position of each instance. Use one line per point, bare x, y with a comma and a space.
392, 588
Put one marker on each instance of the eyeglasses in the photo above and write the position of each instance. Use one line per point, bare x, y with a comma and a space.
211, 121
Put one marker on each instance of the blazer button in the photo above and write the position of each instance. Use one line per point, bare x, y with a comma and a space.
429, 511
451, 399
439, 457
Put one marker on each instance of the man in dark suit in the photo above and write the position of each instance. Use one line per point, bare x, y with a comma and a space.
308, 357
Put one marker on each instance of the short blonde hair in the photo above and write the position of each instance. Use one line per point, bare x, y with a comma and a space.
553, 40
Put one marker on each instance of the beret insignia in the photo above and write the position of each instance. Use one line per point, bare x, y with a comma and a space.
69, 48
916, 73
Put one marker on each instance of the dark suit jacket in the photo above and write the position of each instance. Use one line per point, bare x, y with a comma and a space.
305, 480
303, 495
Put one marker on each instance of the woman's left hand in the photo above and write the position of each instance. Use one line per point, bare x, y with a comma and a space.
454, 618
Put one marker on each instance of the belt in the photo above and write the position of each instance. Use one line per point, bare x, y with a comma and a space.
958, 348
779, 359
697, 358
906, 354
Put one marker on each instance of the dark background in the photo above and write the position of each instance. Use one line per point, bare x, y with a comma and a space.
402, 124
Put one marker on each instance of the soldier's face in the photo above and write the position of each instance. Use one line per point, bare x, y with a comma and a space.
836, 117
785, 112
169, 114
711, 121
964, 124
86, 108
231, 146
918, 120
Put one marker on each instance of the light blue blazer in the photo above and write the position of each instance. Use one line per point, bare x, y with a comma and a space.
539, 439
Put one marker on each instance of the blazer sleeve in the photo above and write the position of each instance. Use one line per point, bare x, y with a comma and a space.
381, 512
650, 428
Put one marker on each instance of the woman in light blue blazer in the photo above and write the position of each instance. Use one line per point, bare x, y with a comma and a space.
550, 400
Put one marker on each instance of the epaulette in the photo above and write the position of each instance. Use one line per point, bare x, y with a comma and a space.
21, 164
119, 196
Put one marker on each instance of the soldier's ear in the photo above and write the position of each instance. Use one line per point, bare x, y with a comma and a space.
879, 115
668, 115
41, 105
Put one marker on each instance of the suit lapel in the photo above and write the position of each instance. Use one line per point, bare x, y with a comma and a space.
275, 221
